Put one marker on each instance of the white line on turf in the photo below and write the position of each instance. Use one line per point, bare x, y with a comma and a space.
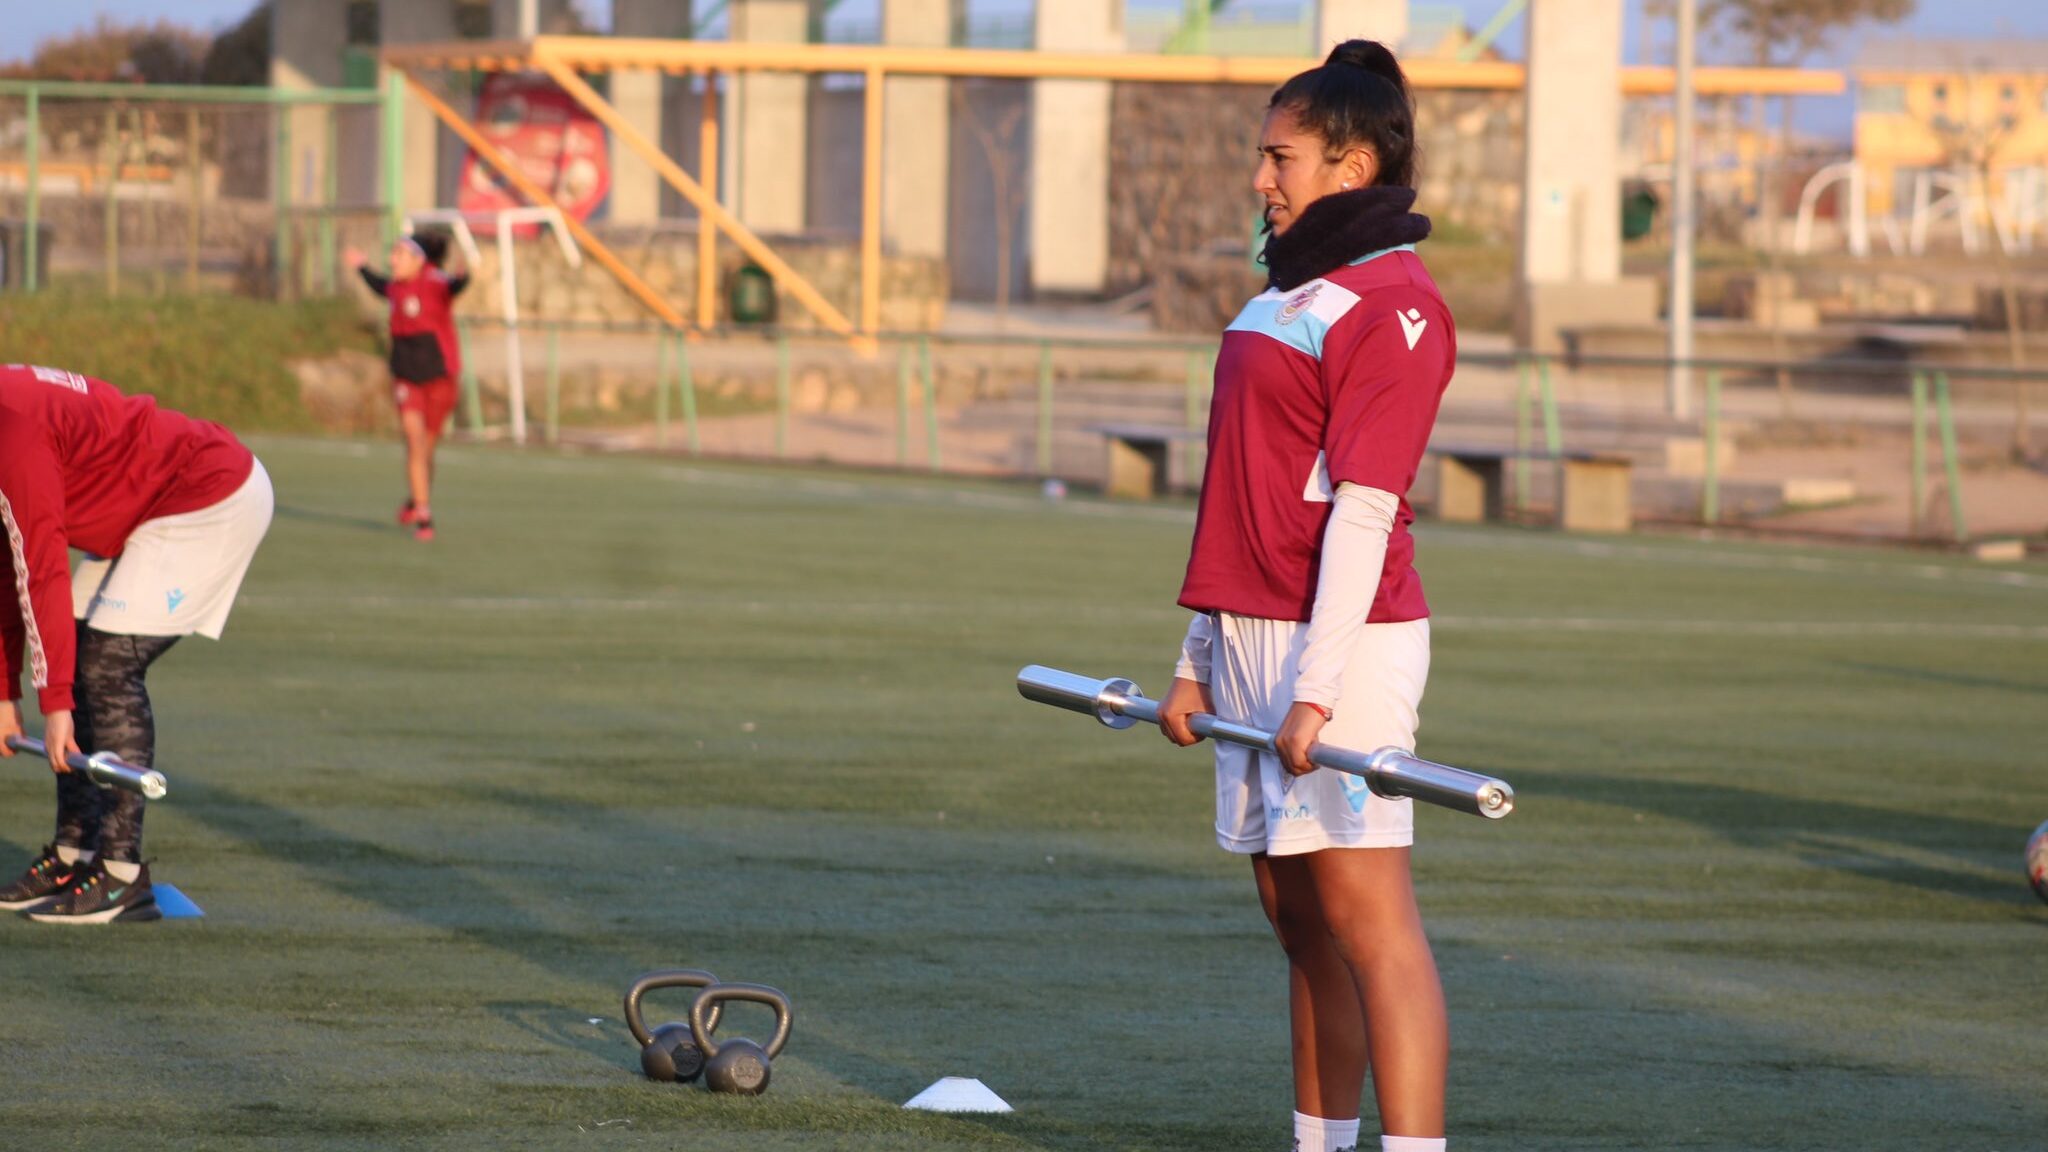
925, 608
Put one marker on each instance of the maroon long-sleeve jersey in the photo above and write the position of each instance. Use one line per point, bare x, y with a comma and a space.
81, 466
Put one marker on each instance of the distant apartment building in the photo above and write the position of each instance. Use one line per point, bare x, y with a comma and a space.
1941, 105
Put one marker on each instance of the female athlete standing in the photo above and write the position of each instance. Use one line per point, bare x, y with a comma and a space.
1310, 618
426, 359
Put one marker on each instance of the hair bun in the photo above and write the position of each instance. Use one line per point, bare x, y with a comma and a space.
1371, 56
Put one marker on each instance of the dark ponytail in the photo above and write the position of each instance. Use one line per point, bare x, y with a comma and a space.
1358, 98
433, 245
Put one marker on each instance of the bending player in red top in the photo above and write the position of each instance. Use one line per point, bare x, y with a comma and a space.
169, 511
426, 358
1310, 617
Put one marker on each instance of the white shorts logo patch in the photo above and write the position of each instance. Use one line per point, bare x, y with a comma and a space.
1412, 325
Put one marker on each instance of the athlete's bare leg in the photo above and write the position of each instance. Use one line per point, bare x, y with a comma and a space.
419, 460
1327, 1023
1367, 901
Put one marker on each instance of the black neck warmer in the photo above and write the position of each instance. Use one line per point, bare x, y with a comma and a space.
1338, 229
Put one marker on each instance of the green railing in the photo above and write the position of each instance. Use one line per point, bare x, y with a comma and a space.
130, 98
917, 417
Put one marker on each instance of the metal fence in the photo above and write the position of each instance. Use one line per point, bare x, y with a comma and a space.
1898, 450
188, 188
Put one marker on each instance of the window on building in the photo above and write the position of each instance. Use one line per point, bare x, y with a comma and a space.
1882, 99
362, 22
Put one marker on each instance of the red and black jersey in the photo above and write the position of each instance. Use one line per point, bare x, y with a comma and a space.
424, 345
82, 466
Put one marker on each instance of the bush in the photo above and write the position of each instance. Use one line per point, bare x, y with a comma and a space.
217, 357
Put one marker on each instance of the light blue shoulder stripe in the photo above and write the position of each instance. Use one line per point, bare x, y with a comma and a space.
1299, 319
1301, 325
1382, 252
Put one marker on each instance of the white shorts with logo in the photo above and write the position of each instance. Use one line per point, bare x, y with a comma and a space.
178, 575
1260, 807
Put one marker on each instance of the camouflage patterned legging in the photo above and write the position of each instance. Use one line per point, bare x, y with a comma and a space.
112, 715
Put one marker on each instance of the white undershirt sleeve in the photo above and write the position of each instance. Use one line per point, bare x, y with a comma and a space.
1196, 648
1354, 552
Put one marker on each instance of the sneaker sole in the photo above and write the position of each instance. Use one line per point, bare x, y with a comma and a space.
27, 905
124, 914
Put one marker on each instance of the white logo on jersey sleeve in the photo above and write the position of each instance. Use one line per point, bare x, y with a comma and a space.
1412, 325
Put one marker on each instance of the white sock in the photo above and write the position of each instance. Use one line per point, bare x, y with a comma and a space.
66, 854
124, 870
1411, 1144
1315, 1134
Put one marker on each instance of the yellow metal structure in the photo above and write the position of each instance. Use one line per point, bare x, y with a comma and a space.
489, 153
566, 58
708, 208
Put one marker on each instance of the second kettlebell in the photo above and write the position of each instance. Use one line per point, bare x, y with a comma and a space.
738, 1065
667, 1053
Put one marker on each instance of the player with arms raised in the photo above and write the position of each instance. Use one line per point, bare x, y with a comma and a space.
426, 359
1310, 617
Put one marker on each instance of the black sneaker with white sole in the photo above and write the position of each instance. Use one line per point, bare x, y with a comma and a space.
98, 897
45, 880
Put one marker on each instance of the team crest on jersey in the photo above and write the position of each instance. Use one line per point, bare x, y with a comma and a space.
412, 305
1297, 304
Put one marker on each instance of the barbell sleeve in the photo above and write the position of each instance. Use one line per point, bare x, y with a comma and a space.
103, 769
1394, 773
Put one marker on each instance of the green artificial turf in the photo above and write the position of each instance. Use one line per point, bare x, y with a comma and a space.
441, 803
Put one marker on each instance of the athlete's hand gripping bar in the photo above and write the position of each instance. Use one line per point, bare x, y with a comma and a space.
104, 770
1389, 772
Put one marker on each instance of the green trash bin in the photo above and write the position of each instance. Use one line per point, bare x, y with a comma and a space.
1639, 207
750, 299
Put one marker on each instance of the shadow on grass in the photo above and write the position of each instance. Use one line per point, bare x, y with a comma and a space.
1946, 679
1804, 825
340, 862
336, 519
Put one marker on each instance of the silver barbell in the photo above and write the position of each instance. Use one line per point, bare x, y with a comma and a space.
1394, 773
103, 769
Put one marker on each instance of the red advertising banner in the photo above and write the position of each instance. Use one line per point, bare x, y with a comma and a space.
556, 144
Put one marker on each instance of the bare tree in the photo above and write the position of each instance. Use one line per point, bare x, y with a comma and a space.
998, 147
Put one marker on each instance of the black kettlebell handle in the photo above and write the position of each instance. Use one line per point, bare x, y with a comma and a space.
704, 1014
666, 978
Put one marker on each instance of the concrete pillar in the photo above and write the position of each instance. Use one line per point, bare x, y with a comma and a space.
1571, 184
413, 22
767, 145
640, 97
1336, 21
916, 131
307, 39
505, 16
1069, 215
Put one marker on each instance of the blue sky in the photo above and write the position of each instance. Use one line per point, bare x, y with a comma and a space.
27, 22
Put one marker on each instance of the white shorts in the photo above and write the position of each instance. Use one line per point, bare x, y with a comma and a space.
1260, 807
178, 574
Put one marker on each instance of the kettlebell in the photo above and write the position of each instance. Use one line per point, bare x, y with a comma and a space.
667, 1054
738, 1065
